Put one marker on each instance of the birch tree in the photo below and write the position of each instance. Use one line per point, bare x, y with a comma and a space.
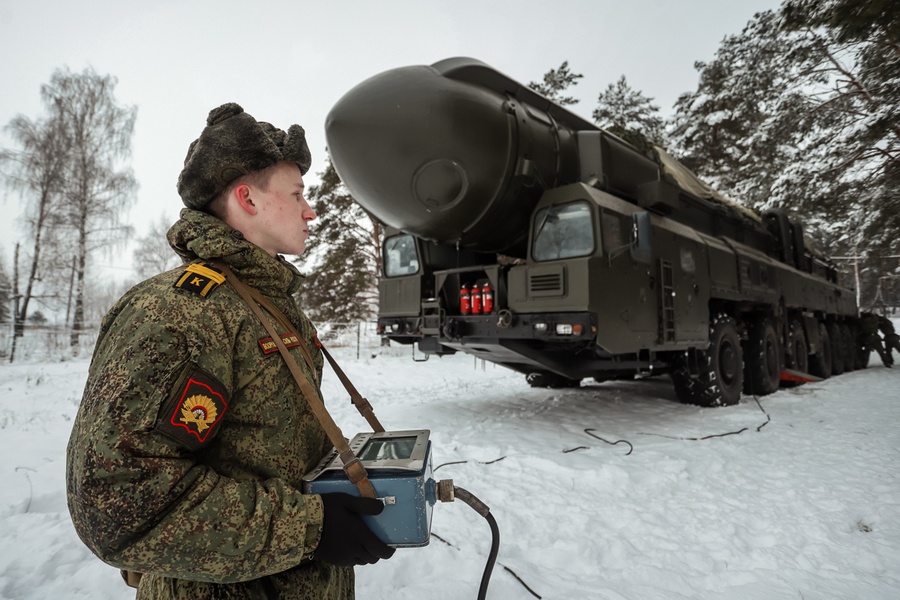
35, 168
98, 187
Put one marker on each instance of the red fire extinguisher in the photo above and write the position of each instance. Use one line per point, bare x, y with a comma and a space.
487, 298
465, 300
476, 300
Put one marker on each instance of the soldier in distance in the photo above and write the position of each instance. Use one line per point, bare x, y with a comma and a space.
891, 339
871, 341
186, 457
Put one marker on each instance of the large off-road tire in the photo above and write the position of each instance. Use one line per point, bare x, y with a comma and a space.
551, 380
837, 348
820, 362
797, 352
721, 369
799, 359
763, 359
861, 351
849, 347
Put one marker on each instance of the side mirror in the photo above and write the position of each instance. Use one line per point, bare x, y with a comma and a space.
641, 234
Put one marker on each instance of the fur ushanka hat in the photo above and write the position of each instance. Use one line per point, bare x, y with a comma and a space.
234, 144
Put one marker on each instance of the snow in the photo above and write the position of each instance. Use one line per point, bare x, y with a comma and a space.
803, 503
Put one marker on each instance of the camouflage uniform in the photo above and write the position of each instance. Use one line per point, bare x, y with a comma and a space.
891, 339
868, 327
186, 456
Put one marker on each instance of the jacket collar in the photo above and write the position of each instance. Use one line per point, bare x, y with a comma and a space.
200, 236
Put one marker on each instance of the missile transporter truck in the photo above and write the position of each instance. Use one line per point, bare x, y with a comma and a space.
520, 233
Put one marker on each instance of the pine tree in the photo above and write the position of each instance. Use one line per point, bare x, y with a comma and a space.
556, 82
623, 110
741, 127
853, 54
800, 112
343, 256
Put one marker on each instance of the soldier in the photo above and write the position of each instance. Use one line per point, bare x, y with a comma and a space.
868, 331
891, 339
186, 457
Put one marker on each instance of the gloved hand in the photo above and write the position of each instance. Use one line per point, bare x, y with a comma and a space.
346, 540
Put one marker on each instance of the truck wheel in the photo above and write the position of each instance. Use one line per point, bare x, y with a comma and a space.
551, 380
763, 359
837, 349
820, 363
799, 348
861, 352
849, 348
721, 369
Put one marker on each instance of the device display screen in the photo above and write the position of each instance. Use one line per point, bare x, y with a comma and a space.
400, 448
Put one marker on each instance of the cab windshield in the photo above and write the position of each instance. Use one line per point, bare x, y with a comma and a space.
563, 231
400, 256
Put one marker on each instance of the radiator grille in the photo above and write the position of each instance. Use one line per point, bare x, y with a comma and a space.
546, 283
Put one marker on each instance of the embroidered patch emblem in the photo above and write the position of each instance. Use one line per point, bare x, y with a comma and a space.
196, 410
199, 411
268, 345
200, 279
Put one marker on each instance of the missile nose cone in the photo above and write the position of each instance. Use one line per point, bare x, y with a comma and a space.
409, 143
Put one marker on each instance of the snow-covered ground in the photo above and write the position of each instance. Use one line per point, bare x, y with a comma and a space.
804, 503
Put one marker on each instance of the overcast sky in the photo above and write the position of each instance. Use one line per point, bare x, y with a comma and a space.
289, 61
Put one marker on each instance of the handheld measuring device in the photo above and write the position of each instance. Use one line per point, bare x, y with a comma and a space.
399, 468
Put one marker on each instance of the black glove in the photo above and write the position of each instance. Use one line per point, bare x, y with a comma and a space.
346, 539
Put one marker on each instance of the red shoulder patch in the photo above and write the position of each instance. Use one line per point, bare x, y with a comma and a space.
197, 410
268, 345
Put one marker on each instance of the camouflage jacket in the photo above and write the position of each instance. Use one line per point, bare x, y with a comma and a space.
868, 323
186, 457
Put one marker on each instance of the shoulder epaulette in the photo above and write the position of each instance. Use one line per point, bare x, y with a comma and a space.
200, 278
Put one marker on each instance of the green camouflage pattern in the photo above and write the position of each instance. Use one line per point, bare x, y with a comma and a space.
871, 341
885, 325
221, 518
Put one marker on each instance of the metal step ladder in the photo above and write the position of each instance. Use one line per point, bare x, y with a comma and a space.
666, 302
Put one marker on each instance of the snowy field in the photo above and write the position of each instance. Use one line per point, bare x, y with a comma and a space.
803, 503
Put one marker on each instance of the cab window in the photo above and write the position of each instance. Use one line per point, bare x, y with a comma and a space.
563, 231
400, 256
615, 230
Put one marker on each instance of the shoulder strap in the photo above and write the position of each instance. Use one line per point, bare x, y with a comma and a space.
362, 405
352, 465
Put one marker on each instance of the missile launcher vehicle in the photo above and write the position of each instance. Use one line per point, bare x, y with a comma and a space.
520, 233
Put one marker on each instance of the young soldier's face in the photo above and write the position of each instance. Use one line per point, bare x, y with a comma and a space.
284, 215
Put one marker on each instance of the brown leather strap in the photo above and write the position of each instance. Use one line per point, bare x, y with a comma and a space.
281, 318
362, 405
352, 466
132, 578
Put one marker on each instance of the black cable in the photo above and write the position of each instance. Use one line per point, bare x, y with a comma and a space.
519, 579
768, 417
715, 435
462, 462
505, 568
591, 433
492, 557
482, 509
